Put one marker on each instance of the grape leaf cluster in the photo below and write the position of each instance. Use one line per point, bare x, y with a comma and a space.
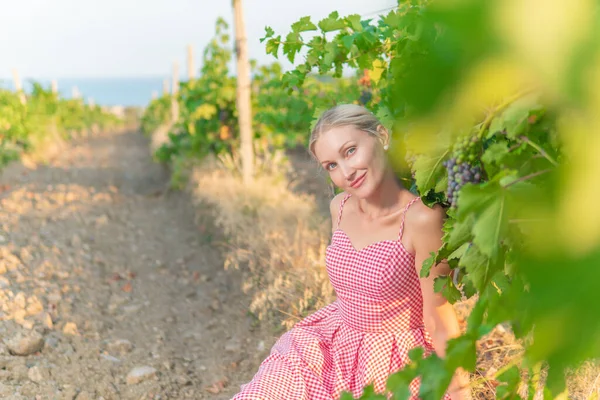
462, 168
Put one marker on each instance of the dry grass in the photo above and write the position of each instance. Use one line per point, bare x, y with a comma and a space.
275, 234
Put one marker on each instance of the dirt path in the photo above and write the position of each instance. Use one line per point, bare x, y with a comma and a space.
101, 272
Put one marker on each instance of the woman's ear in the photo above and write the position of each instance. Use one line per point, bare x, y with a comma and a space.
384, 136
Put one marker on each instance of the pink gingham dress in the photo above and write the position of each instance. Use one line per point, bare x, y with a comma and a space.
359, 339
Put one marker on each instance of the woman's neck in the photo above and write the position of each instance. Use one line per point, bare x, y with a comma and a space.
385, 200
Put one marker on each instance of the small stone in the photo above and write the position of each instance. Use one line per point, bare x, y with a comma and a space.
233, 347
70, 328
35, 306
68, 392
110, 358
139, 374
103, 220
19, 300
83, 395
38, 374
24, 345
51, 342
76, 241
47, 321
183, 380
3, 349
120, 346
5, 390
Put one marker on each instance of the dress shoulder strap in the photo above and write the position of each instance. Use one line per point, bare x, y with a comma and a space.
404, 216
346, 197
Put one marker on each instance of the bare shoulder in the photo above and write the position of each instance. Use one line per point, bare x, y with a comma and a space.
424, 219
334, 208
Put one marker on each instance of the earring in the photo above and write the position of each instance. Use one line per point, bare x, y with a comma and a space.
385, 147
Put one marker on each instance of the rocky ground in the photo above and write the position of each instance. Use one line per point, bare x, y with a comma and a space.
112, 287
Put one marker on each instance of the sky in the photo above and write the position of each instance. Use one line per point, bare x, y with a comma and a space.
47, 39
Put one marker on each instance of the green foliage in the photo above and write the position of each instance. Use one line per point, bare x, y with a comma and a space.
157, 113
23, 125
442, 73
282, 116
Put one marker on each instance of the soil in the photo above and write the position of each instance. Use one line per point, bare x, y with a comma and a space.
112, 287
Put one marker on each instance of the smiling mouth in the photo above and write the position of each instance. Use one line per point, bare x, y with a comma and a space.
357, 182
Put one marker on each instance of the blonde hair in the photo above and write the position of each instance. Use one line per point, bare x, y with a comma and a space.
344, 115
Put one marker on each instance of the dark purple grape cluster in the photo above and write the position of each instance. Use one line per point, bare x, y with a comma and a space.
365, 97
462, 168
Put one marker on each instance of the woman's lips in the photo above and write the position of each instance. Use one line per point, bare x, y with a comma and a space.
357, 182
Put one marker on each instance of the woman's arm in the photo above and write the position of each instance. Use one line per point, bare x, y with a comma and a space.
438, 314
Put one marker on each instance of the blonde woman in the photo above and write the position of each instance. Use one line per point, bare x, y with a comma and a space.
382, 233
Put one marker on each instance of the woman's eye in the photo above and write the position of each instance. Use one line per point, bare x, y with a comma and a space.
351, 150
330, 166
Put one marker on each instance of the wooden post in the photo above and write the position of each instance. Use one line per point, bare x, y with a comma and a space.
75, 93
243, 94
19, 86
54, 86
174, 92
190, 62
165, 87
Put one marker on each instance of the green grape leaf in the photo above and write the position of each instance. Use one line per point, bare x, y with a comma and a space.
514, 119
398, 383
385, 117
462, 352
304, 25
488, 202
330, 53
511, 379
495, 153
429, 169
458, 253
439, 283
269, 32
332, 23
348, 41
445, 285
427, 265
273, 46
437, 377
292, 45
477, 266
458, 231
353, 22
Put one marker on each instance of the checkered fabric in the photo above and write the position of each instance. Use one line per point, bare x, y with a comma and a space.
359, 339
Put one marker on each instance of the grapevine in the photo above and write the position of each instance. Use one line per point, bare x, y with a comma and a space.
436, 66
462, 167
24, 126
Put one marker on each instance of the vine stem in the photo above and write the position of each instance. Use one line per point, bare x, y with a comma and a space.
508, 346
502, 370
539, 148
527, 177
508, 101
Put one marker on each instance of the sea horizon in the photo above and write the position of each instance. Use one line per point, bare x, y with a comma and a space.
128, 91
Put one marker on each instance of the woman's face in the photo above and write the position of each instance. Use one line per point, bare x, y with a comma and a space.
354, 159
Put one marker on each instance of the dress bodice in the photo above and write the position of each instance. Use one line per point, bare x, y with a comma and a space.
377, 286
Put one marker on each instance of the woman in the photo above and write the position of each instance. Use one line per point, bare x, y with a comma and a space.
382, 234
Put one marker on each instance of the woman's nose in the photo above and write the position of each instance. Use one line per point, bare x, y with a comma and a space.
347, 171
